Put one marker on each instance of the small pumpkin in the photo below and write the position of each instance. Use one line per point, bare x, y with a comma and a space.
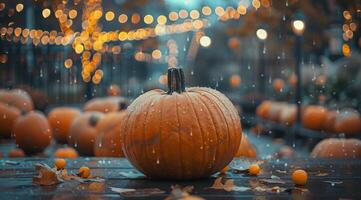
246, 149
314, 117
263, 109
288, 115
278, 84
185, 133
16, 153
107, 143
83, 132
113, 90
337, 148
66, 152
106, 104
32, 132
275, 111
17, 98
60, 120
8, 116
348, 121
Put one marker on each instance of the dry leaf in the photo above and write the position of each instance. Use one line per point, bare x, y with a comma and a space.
47, 175
227, 186
130, 192
322, 174
179, 193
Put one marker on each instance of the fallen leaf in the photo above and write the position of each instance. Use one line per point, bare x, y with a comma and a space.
322, 174
227, 186
130, 192
179, 193
47, 175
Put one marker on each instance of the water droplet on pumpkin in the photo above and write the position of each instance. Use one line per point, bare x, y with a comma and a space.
158, 161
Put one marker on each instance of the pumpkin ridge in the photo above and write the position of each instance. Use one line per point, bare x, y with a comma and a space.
131, 109
199, 125
224, 118
215, 128
151, 101
233, 116
209, 113
160, 135
179, 139
135, 131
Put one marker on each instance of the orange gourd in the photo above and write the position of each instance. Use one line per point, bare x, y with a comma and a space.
83, 132
263, 109
278, 84
113, 90
348, 121
16, 153
66, 152
337, 148
60, 120
8, 116
275, 111
185, 133
106, 104
17, 98
314, 117
288, 115
107, 143
246, 149
32, 132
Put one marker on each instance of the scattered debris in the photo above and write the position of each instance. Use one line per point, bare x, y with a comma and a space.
281, 171
333, 183
130, 192
179, 193
322, 174
227, 186
52, 176
272, 181
47, 175
242, 165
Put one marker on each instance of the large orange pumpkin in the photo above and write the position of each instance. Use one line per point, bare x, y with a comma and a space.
60, 120
8, 116
314, 117
32, 132
246, 149
82, 132
66, 152
17, 98
337, 148
348, 121
106, 104
180, 134
107, 143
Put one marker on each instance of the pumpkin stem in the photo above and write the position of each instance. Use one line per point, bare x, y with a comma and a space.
175, 80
